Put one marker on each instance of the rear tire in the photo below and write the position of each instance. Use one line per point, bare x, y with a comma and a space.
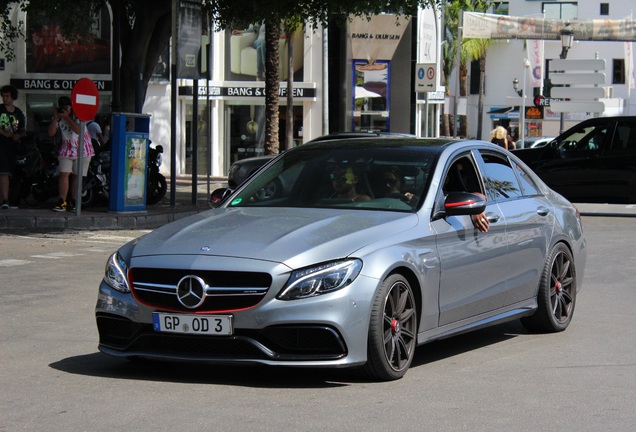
88, 196
392, 330
557, 293
156, 190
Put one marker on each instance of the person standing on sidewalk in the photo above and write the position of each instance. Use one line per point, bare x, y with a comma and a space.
65, 120
12, 129
97, 138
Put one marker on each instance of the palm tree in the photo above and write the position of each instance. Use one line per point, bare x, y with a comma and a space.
449, 52
476, 49
469, 51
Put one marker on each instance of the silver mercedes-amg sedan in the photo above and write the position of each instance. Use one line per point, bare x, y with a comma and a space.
349, 253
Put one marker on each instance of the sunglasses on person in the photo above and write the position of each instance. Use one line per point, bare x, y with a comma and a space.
390, 181
337, 177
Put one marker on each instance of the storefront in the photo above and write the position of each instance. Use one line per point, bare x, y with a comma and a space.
50, 65
227, 122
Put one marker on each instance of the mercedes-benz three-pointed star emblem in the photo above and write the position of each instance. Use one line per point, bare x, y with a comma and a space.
191, 291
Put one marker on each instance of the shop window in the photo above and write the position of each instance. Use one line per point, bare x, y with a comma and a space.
501, 8
618, 71
246, 54
560, 10
371, 96
50, 51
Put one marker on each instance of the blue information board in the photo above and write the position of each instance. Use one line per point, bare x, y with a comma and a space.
129, 162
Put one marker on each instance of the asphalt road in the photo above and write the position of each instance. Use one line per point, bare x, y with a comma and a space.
53, 378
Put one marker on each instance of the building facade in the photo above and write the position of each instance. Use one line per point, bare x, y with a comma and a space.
344, 79
506, 62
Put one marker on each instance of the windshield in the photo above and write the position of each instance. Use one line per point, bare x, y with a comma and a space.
392, 178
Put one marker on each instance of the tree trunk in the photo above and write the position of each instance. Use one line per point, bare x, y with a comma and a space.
446, 125
272, 85
463, 91
141, 47
289, 123
480, 104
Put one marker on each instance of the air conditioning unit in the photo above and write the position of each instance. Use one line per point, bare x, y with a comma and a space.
609, 92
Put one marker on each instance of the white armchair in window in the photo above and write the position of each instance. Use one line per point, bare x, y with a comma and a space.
243, 54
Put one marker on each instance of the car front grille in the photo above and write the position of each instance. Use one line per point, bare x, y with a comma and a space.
226, 290
286, 342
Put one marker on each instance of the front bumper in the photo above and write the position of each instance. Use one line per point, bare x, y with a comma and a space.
327, 330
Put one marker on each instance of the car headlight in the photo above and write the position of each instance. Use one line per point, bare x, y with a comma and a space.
320, 279
115, 273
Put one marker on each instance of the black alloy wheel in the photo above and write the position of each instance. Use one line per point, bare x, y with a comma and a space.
557, 293
392, 330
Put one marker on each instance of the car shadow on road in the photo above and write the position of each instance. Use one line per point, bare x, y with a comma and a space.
261, 376
464, 343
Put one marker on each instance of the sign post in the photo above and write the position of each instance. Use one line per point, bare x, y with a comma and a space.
85, 103
425, 77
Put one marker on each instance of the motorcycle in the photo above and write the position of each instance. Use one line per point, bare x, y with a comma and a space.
96, 184
156, 182
26, 170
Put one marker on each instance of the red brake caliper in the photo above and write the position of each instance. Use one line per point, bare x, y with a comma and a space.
395, 326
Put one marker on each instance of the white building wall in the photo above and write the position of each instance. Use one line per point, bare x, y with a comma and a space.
505, 62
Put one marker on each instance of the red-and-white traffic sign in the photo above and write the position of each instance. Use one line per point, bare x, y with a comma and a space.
85, 99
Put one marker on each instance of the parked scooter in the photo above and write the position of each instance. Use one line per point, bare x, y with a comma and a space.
96, 184
45, 183
157, 185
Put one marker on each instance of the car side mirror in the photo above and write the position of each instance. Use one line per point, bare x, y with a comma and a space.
464, 203
218, 196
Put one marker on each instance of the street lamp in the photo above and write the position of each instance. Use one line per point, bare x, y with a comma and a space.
567, 37
515, 85
522, 95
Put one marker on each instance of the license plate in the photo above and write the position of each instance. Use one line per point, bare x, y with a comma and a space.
218, 325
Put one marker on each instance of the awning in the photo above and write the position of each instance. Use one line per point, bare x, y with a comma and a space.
510, 112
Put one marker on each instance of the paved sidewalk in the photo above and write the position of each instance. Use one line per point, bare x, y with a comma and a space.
43, 218
95, 218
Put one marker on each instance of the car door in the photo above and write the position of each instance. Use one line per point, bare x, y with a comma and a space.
529, 218
618, 164
472, 278
576, 169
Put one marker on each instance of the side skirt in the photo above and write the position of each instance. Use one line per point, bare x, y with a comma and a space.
498, 316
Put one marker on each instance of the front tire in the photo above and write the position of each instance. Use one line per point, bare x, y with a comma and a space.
557, 293
392, 330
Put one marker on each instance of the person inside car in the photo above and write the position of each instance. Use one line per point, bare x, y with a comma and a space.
392, 185
457, 180
344, 182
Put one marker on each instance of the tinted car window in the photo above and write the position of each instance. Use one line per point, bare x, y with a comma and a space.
586, 139
499, 178
528, 186
390, 178
625, 138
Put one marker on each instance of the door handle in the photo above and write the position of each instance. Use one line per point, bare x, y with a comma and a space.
543, 211
493, 218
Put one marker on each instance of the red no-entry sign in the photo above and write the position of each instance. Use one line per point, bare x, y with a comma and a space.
85, 99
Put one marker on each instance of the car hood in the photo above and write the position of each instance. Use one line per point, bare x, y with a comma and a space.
282, 235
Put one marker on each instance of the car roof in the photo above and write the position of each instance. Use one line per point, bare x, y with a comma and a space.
341, 135
434, 145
